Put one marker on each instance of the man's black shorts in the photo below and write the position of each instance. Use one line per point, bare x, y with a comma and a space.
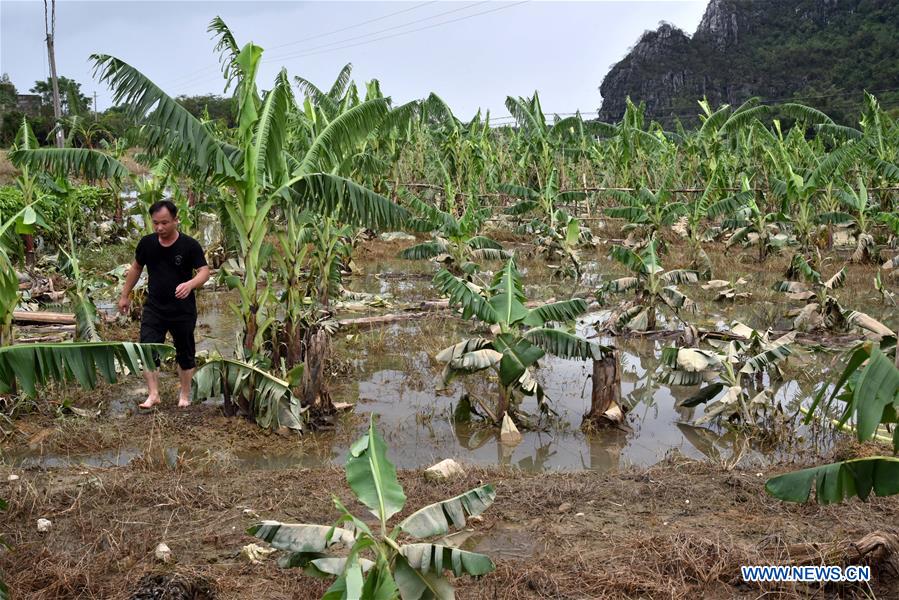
154, 326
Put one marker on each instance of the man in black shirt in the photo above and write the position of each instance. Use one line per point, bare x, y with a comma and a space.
171, 258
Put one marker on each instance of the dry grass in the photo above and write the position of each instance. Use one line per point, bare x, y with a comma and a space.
628, 534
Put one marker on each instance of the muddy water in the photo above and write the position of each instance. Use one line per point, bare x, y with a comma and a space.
391, 372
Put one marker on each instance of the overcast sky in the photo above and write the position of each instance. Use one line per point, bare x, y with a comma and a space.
472, 54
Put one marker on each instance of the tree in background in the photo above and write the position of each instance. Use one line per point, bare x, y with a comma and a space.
210, 106
70, 97
8, 94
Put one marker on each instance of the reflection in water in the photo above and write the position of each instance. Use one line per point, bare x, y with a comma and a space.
604, 449
714, 445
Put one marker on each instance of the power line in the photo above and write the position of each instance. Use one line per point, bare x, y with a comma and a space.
361, 23
303, 52
402, 33
182, 79
387, 37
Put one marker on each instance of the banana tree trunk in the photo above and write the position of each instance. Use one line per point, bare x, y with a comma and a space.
118, 211
250, 327
503, 405
605, 401
317, 349
28, 242
229, 408
251, 285
293, 333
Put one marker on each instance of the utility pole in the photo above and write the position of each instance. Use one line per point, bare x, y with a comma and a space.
95, 106
50, 30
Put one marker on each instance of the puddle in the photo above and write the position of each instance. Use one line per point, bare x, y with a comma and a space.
418, 425
503, 541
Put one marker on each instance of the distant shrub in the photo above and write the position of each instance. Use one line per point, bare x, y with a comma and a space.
94, 201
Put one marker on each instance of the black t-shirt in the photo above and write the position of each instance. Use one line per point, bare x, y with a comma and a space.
168, 267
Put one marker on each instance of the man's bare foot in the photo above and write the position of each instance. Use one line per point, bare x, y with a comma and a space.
183, 401
150, 402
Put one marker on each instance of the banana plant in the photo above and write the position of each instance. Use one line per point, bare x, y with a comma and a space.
559, 234
647, 212
257, 172
864, 212
564, 245
291, 259
523, 336
868, 387
544, 201
250, 389
654, 287
632, 145
22, 221
457, 242
539, 141
751, 224
28, 184
735, 367
821, 306
695, 226
86, 318
799, 173
871, 146
381, 563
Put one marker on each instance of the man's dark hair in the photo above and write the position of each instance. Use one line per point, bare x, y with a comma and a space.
160, 204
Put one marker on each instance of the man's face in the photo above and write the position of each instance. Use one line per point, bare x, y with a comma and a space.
164, 224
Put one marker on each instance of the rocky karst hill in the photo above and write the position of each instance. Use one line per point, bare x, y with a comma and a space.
821, 52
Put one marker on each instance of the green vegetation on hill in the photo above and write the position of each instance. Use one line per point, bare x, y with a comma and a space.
821, 53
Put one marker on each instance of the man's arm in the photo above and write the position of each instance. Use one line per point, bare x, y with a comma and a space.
183, 290
130, 281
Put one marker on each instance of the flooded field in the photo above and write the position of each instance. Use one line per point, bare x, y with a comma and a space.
611, 512
390, 371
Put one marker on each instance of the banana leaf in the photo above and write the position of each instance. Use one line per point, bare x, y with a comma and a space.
372, 477
461, 294
518, 355
270, 398
302, 537
435, 519
437, 558
839, 481
418, 585
38, 364
562, 311
563, 344
423, 250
